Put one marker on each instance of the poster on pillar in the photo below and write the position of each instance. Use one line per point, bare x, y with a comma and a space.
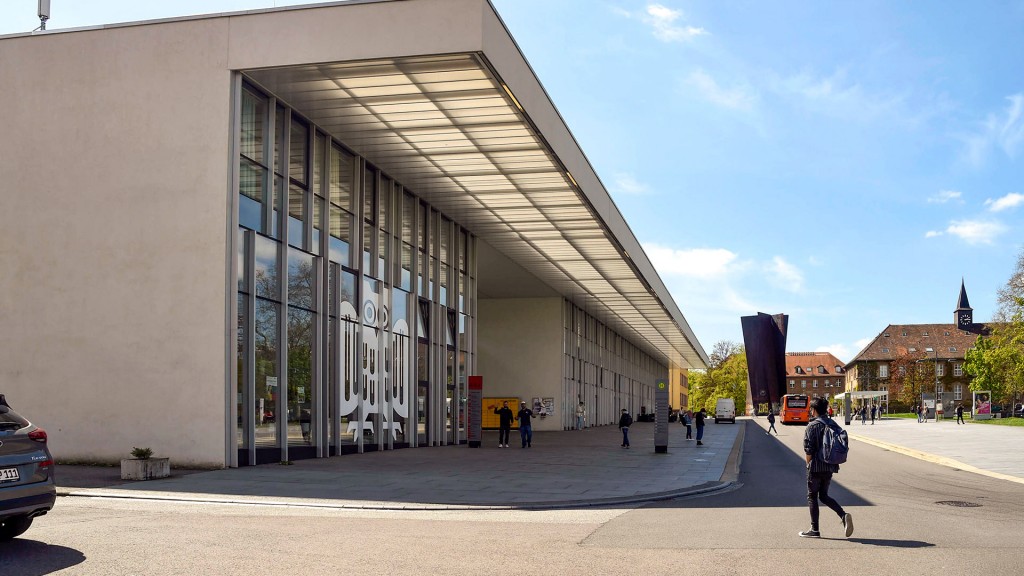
474, 415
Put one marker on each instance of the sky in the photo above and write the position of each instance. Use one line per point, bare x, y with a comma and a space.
846, 163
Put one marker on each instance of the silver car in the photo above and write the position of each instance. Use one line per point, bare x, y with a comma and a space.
27, 488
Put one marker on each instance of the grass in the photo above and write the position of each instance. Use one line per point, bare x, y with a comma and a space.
993, 421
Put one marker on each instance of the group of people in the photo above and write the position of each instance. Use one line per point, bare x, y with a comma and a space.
865, 411
505, 419
691, 419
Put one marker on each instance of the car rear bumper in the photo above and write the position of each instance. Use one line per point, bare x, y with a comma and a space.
31, 500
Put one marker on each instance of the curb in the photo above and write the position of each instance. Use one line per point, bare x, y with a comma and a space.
935, 459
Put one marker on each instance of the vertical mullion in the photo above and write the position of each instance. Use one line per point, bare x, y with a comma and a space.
282, 332
250, 347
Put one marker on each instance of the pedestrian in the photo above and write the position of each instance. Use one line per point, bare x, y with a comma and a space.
960, 414
819, 472
625, 420
505, 417
919, 413
873, 412
771, 423
699, 417
688, 421
581, 412
525, 429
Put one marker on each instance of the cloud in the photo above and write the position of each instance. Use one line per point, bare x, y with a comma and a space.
1011, 200
1003, 130
735, 98
663, 19
945, 196
840, 351
932, 234
976, 231
627, 184
784, 275
702, 263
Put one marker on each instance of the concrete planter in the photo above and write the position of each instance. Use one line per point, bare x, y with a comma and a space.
149, 469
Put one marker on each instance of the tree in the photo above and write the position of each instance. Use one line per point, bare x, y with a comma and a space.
997, 360
721, 352
726, 378
1010, 297
911, 375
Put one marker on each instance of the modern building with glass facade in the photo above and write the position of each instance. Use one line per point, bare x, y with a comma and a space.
294, 233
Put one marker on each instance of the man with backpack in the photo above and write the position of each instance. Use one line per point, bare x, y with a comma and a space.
825, 447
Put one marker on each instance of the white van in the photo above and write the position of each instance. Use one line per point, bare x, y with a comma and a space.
725, 409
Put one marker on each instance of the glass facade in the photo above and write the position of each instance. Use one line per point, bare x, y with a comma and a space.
326, 358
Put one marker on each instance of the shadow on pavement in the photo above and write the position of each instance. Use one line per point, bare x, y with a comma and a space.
34, 558
890, 543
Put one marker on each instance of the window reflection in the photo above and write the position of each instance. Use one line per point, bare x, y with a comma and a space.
266, 377
301, 279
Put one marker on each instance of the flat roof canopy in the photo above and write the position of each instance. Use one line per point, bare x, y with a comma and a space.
448, 128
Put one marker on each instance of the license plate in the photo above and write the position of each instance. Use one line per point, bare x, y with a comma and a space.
9, 475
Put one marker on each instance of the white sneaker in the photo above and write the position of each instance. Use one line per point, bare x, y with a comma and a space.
499, 445
848, 523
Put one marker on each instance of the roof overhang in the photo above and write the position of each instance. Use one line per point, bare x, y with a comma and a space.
459, 132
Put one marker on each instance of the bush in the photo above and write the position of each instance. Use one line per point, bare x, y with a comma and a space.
141, 453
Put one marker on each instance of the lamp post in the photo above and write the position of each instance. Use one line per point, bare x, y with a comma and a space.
936, 354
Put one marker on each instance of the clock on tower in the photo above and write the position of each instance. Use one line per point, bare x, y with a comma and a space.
964, 314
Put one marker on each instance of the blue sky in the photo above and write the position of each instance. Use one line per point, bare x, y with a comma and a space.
843, 162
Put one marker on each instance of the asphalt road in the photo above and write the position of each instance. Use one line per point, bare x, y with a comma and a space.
900, 529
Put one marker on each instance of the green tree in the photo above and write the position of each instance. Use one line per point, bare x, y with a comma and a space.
726, 378
996, 362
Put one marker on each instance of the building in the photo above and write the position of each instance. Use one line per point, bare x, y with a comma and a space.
294, 233
933, 354
814, 373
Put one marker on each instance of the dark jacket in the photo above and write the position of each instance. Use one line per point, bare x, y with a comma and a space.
505, 417
812, 446
699, 419
625, 420
524, 417
771, 417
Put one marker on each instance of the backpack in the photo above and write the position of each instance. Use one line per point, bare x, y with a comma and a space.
834, 444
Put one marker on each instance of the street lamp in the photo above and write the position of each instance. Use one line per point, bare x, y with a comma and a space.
936, 353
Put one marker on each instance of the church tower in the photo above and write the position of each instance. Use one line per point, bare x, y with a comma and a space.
963, 317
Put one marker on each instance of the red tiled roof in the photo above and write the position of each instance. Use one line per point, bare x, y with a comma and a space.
809, 363
900, 339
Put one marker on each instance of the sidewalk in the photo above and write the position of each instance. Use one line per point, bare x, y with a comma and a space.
562, 470
993, 451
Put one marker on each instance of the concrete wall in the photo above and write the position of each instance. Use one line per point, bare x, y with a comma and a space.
114, 156
520, 351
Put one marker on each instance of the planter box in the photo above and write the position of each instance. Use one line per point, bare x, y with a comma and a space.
133, 469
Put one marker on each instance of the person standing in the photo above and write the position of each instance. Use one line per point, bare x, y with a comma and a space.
819, 472
873, 412
699, 417
581, 413
525, 428
625, 420
505, 417
688, 422
960, 414
771, 422
863, 415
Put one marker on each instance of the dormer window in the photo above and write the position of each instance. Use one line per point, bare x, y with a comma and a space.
952, 348
947, 333
821, 369
912, 350
798, 370
904, 332
839, 369
886, 335
885, 350
925, 334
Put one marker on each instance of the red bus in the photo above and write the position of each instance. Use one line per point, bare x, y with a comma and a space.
796, 409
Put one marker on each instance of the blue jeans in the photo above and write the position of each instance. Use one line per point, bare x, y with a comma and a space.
579, 422
526, 433
625, 435
700, 433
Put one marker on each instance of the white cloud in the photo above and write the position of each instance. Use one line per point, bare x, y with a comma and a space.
976, 231
663, 20
945, 196
840, 351
1003, 130
736, 98
784, 275
695, 262
627, 184
1011, 200
932, 234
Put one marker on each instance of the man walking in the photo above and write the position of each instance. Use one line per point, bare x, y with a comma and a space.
819, 472
771, 422
504, 423
688, 423
525, 429
699, 417
625, 420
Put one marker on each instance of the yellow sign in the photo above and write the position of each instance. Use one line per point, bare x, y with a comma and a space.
491, 420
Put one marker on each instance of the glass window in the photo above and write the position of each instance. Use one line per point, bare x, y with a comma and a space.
301, 279
349, 291
240, 268
421, 217
958, 369
341, 235
958, 392
368, 259
369, 310
408, 216
445, 234
251, 188
298, 151
369, 194
267, 256
318, 210
300, 376
296, 216
940, 369
406, 278
341, 178
266, 379
254, 118
318, 163
240, 358
384, 211
883, 370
